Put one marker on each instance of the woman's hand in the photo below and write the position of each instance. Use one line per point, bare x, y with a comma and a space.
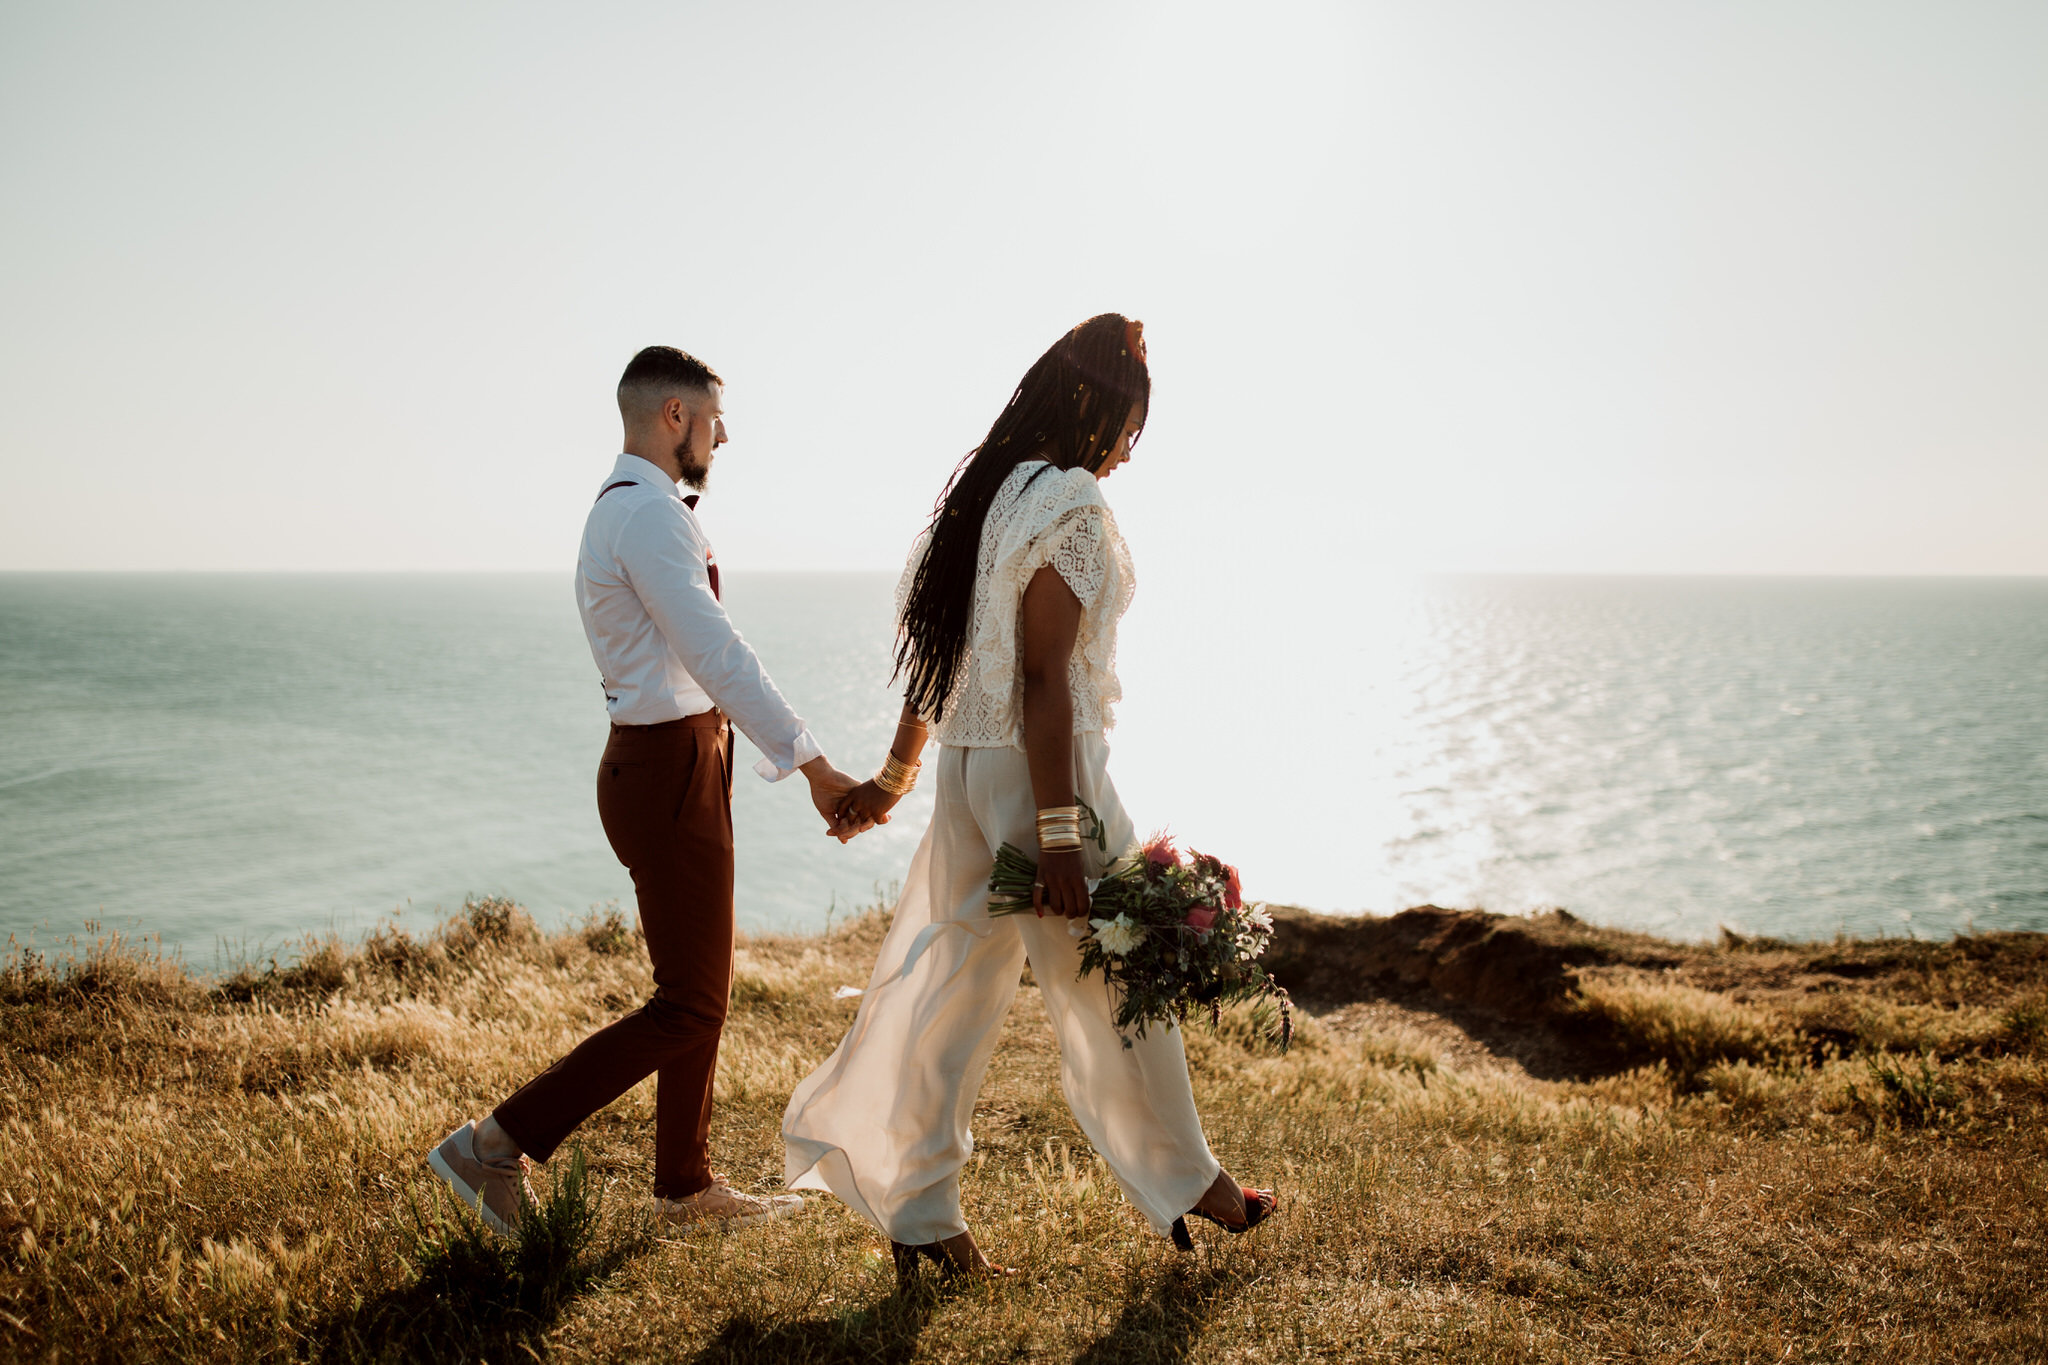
861, 809
1062, 888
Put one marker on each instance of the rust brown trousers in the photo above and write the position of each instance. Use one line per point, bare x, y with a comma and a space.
664, 793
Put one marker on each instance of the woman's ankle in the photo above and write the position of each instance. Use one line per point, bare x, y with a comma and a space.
1224, 1199
962, 1251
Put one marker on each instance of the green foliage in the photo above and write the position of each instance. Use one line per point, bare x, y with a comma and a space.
475, 1295
491, 918
607, 932
1908, 1094
24, 975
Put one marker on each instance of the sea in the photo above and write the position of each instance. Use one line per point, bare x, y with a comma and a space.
230, 763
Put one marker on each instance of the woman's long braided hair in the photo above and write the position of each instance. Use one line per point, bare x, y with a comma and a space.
1068, 411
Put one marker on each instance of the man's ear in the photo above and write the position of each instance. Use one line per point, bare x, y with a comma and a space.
675, 412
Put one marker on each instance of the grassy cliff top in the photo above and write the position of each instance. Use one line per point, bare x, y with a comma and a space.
1494, 1139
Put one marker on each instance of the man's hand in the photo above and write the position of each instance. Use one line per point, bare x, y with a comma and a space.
829, 788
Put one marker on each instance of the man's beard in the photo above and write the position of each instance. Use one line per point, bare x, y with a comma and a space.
694, 471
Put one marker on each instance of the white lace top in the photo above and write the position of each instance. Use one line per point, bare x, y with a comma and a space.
1058, 518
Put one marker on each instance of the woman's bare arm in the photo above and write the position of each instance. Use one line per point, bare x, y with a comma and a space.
1051, 622
867, 805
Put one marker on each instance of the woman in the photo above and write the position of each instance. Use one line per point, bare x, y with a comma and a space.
1006, 619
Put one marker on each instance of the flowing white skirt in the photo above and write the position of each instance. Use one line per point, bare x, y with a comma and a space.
883, 1124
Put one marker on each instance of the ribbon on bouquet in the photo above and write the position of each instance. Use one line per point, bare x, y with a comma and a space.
930, 933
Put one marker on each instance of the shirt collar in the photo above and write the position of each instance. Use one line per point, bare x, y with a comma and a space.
647, 472
643, 471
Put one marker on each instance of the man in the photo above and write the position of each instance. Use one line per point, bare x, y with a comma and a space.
675, 672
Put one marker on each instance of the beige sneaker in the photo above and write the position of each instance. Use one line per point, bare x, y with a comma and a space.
496, 1189
720, 1203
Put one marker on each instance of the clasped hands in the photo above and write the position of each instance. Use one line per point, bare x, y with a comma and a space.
849, 806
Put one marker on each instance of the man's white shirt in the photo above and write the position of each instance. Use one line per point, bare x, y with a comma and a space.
663, 643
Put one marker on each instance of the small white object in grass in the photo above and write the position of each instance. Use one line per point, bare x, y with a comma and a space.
846, 992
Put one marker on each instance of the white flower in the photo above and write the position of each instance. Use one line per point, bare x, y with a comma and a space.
1117, 936
1260, 916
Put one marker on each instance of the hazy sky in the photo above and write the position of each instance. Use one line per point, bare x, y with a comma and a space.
1562, 287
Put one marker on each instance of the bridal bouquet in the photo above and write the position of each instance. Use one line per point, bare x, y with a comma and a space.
1169, 931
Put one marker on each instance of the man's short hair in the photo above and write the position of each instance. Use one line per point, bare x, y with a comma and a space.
660, 373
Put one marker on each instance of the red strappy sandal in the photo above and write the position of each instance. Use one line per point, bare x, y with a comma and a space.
1258, 1207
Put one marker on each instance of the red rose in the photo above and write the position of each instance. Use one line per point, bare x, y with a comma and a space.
1161, 852
1202, 917
1233, 893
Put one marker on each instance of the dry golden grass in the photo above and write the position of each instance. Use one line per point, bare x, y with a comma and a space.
1738, 1171
1683, 1026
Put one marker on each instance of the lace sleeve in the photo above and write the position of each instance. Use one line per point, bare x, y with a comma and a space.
1077, 548
1040, 516
1044, 517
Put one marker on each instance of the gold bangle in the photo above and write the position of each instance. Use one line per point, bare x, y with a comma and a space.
896, 776
1059, 829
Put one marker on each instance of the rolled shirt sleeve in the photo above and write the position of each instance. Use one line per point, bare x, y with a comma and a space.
664, 557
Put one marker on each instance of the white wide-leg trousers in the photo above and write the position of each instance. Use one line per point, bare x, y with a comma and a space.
883, 1124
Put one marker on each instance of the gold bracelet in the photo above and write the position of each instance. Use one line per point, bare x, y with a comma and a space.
1059, 829
896, 776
